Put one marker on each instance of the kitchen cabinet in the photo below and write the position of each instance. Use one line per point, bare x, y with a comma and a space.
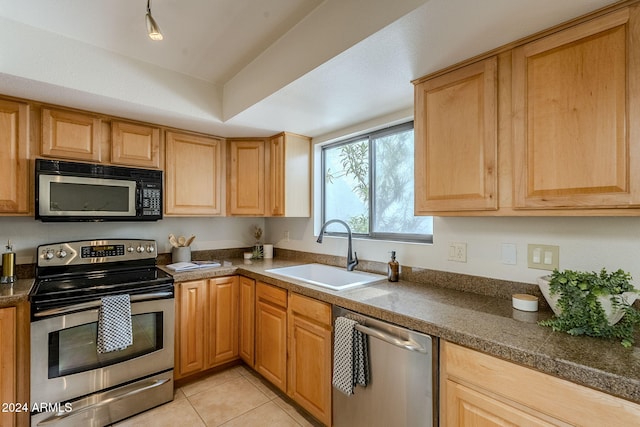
8, 367
15, 176
271, 334
247, 320
71, 135
289, 173
481, 390
246, 177
576, 123
135, 145
310, 357
223, 320
456, 140
194, 175
207, 324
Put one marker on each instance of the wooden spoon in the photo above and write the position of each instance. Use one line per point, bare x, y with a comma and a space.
190, 240
173, 241
181, 241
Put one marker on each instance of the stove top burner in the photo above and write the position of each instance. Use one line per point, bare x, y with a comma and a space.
90, 270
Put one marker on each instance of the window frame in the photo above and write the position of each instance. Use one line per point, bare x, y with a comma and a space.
373, 235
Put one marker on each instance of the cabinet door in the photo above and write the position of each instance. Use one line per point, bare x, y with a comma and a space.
135, 145
247, 319
7, 363
71, 135
194, 175
246, 178
191, 327
271, 336
466, 407
310, 355
223, 320
14, 158
456, 140
491, 391
289, 171
576, 107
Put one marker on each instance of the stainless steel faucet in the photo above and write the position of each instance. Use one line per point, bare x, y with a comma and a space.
352, 260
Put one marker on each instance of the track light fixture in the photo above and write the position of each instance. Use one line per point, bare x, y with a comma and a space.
152, 26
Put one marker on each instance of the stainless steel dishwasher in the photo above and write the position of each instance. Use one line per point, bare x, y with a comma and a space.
402, 389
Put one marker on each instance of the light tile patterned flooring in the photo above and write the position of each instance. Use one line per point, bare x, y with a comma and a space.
234, 397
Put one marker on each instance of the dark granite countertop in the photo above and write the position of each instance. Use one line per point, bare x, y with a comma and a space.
486, 323
15, 293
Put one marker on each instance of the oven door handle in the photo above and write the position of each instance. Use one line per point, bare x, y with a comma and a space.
97, 303
147, 385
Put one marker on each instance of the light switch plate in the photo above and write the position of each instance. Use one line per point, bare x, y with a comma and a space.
543, 257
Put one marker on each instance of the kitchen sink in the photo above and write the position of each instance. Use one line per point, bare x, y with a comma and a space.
327, 276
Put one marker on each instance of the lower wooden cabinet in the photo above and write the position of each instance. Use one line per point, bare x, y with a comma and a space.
480, 390
247, 318
309, 380
271, 334
8, 363
207, 324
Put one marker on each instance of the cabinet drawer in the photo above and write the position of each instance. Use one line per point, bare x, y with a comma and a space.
271, 294
313, 309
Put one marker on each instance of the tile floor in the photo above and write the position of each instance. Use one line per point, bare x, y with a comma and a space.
234, 397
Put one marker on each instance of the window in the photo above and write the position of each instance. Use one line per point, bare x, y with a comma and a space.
368, 183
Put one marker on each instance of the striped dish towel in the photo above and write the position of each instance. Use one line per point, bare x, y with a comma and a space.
350, 356
114, 324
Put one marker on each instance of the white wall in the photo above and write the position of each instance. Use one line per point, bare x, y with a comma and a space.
211, 233
585, 244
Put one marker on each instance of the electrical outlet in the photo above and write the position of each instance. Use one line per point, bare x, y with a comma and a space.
286, 236
458, 251
543, 257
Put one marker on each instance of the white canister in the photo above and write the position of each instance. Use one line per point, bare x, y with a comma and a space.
181, 254
267, 251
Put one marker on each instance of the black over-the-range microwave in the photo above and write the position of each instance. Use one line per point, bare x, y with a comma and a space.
72, 191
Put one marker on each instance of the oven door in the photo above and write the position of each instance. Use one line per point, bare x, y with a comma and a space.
65, 363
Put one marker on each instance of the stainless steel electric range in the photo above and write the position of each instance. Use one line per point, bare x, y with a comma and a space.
72, 383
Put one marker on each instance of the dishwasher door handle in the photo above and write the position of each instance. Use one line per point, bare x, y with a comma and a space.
389, 338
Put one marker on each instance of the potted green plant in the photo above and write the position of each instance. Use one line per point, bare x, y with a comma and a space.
593, 304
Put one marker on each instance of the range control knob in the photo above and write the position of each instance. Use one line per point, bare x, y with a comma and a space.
48, 254
140, 249
130, 249
61, 253
150, 248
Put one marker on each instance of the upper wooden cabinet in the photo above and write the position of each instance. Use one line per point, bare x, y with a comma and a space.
15, 187
289, 173
135, 145
71, 135
194, 175
456, 140
246, 177
576, 98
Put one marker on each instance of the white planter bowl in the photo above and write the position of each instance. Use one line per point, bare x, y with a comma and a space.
613, 314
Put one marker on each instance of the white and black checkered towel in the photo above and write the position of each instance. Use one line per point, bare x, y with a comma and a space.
350, 356
114, 324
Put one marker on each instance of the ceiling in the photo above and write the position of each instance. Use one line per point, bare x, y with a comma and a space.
253, 68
